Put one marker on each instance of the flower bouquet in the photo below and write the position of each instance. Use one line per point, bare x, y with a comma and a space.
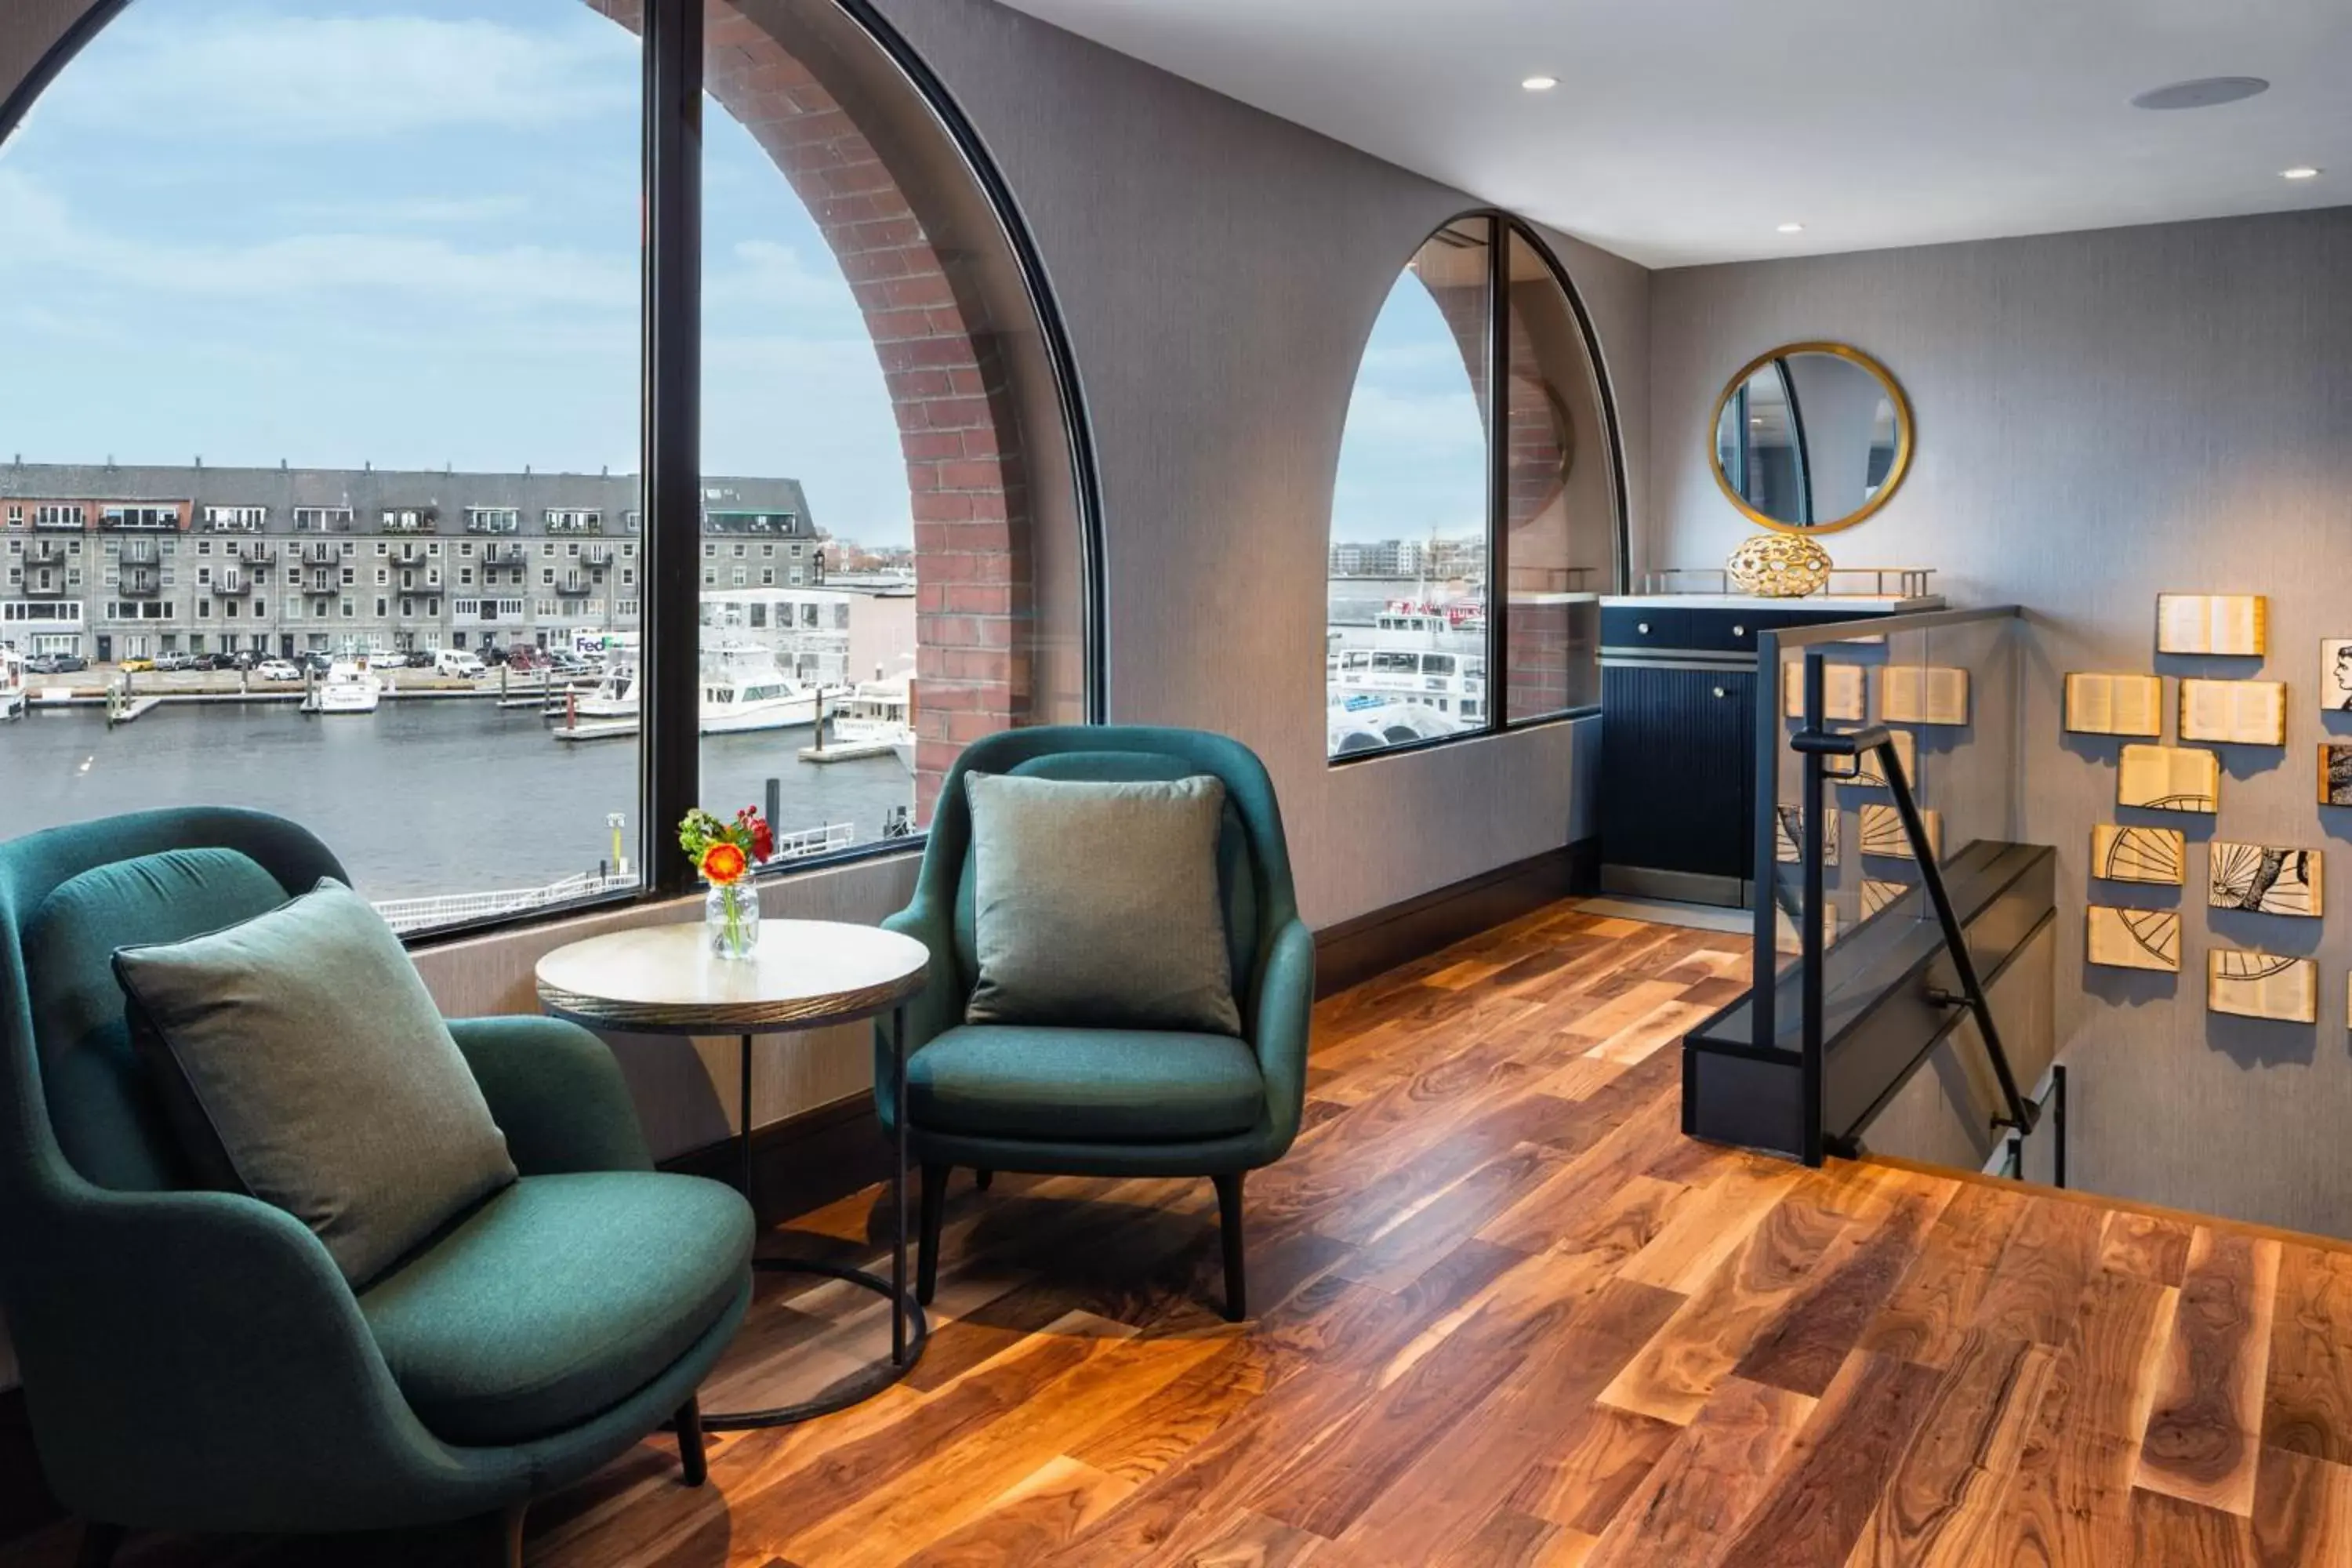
726, 853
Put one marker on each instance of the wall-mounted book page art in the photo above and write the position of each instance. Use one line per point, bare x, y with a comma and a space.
2133, 938
2099, 704
1843, 690
1870, 769
2236, 712
1883, 834
1923, 694
2263, 880
2234, 623
2169, 778
2262, 986
2135, 854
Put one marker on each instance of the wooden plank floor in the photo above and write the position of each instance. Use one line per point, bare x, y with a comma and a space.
1507, 1315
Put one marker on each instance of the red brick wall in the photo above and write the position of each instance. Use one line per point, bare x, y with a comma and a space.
947, 387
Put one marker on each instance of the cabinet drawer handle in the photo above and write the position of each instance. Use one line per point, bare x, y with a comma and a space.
1642, 627
1719, 692
1740, 631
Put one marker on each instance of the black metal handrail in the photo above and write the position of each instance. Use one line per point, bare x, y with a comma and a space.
1813, 744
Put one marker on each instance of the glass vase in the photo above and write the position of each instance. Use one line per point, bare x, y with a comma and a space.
731, 914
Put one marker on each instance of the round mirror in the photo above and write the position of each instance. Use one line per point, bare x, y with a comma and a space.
1811, 438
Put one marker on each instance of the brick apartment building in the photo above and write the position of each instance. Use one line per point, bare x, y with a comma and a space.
113, 563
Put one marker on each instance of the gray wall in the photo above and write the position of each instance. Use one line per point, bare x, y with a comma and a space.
2103, 417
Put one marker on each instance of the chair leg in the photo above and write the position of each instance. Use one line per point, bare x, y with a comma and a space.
982, 1179
508, 1527
690, 1457
926, 1245
1229, 1223
99, 1542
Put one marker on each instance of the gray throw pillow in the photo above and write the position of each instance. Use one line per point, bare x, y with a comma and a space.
1097, 904
303, 1061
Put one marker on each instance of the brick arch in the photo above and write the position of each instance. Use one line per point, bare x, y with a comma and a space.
948, 384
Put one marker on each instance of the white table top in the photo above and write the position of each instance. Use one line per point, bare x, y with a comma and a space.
665, 979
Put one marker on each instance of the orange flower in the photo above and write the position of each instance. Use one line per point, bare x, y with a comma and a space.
723, 863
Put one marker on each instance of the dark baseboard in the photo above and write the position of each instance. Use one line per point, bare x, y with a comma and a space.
1356, 950
802, 1163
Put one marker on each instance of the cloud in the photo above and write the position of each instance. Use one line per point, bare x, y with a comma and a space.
43, 233
179, 71
770, 276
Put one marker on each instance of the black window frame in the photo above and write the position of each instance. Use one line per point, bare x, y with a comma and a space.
672, 106
1501, 226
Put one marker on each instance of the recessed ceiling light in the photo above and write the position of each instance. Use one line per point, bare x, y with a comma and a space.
1792, 229
1540, 83
2202, 93
2300, 172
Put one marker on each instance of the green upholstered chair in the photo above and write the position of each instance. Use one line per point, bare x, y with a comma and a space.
1077, 1101
193, 1359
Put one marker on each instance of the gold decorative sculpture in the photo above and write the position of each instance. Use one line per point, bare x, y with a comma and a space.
1779, 567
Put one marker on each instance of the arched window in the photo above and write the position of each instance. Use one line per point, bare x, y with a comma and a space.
1458, 551
390, 272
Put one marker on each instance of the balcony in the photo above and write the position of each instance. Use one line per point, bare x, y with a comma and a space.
45, 585
45, 552
596, 555
412, 557
322, 554
231, 584
141, 552
506, 555
141, 582
325, 583
574, 582
255, 554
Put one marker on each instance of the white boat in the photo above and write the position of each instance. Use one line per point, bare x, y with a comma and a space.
349, 688
878, 716
12, 684
1367, 721
1414, 658
742, 690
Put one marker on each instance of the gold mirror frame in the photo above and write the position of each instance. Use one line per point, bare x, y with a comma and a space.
1904, 433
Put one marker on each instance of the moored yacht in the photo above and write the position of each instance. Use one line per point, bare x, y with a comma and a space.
741, 687
350, 686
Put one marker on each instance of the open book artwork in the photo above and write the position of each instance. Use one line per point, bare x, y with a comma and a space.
1843, 690
2169, 778
1877, 894
2335, 674
2263, 880
2335, 774
2234, 623
1883, 834
2133, 938
2135, 854
2236, 712
1869, 768
1788, 822
2102, 704
1923, 694
2270, 985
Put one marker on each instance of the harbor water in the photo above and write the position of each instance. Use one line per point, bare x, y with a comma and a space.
421, 797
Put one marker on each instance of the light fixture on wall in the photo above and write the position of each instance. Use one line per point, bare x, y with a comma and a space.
1540, 83
2301, 171
1791, 228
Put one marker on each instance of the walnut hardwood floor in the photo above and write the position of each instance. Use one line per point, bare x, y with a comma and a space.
1506, 1315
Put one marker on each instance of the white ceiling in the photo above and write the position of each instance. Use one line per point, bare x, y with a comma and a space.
1685, 130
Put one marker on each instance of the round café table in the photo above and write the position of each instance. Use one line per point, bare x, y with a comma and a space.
805, 975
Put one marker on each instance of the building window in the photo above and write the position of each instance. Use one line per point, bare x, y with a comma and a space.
573, 519
236, 519
321, 519
491, 520
1454, 551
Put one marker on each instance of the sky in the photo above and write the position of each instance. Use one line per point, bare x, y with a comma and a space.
405, 233
1413, 462
402, 232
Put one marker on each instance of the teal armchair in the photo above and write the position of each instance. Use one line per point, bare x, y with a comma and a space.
1107, 1102
194, 1361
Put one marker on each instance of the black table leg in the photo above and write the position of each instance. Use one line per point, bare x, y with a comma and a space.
899, 1187
906, 1342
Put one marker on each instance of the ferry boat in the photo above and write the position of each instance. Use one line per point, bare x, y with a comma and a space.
12, 684
1415, 656
350, 686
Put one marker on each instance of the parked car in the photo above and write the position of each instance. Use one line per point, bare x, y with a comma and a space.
170, 663
420, 658
459, 662
523, 660
211, 661
278, 669
136, 665
56, 664
246, 660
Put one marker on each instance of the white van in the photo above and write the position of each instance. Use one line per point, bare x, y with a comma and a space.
456, 661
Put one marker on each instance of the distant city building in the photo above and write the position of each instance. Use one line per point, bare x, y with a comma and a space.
115, 562
1443, 558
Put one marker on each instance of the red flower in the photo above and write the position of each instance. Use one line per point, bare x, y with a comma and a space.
764, 839
723, 863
